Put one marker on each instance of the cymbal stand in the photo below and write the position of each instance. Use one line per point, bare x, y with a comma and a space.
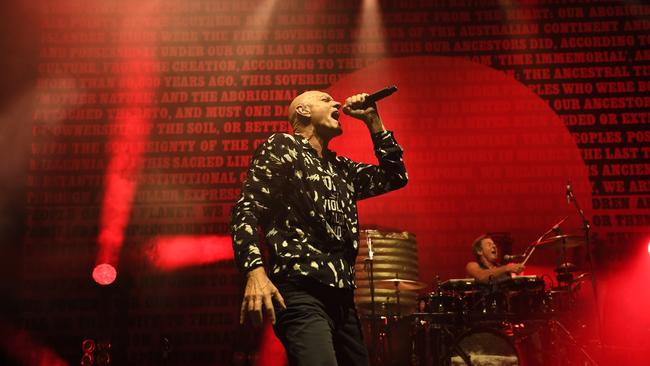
563, 278
399, 310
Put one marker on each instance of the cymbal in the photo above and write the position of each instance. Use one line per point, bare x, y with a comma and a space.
559, 241
400, 284
566, 267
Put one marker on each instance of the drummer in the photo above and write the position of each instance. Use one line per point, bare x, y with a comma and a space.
486, 269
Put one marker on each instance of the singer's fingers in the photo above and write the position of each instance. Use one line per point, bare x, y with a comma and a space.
242, 312
268, 308
350, 101
280, 300
362, 98
356, 101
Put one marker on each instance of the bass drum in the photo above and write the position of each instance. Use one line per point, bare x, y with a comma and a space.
484, 347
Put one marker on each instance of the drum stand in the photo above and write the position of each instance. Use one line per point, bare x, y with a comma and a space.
557, 327
438, 343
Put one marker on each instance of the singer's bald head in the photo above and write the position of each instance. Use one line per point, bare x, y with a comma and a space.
315, 111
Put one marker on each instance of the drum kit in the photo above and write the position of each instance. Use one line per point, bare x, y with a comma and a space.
462, 322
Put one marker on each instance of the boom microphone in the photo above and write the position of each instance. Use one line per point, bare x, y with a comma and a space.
513, 258
378, 95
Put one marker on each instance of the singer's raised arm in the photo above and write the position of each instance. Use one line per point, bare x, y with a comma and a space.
372, 180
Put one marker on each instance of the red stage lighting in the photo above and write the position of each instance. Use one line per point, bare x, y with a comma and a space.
173, 252
104, 274
20, 346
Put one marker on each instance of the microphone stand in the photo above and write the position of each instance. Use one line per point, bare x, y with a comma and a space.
369, 265
586, 226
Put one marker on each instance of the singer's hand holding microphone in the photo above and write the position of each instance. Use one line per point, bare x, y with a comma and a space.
357, 107
362, 106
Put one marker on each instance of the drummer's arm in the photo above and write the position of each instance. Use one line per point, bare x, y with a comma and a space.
485, 275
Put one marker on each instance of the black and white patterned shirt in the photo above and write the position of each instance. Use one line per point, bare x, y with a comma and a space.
307, 207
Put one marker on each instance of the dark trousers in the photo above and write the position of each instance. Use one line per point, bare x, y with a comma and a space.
320, 325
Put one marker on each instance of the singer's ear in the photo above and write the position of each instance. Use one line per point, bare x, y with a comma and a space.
303, 110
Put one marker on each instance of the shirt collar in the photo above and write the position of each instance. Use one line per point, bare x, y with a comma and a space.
327, 153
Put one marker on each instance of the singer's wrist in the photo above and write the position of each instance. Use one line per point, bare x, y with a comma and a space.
375, 125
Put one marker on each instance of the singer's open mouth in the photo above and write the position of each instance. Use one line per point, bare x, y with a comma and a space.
336, 114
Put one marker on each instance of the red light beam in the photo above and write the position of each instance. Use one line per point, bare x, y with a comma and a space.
127, 147
169, 253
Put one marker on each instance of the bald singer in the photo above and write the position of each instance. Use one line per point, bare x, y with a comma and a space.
304, 197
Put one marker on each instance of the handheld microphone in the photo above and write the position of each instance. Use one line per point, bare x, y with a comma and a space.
378, 95
513, 258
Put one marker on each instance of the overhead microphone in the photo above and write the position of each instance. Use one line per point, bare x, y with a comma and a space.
569, 191
378, 95
513, 258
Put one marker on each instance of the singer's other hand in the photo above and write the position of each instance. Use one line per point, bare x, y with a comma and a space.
353, 107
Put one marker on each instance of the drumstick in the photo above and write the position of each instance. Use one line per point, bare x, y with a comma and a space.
533, 246
528, 256
555, 227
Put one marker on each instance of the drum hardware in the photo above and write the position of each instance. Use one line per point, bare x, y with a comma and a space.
385, 253
544, 242
454, 322
561, 241
580, 278
400, 284
524, 296
392, 339
431, 340
557, 327
566, 267
464, 323
387, 306
564, 273
558, 301
458, 284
